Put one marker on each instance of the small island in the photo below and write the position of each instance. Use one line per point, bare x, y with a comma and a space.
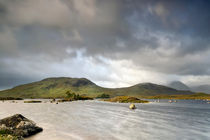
125, 99
195, 96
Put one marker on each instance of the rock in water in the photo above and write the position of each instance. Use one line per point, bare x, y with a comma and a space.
18, 125
132, 106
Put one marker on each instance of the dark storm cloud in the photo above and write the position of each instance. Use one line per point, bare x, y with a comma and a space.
13, 79
166, 36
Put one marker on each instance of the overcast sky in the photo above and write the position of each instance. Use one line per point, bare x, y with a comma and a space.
114, 43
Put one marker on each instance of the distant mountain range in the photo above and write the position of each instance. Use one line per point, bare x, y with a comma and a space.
181, 86
201, 88
57, 87
178, 85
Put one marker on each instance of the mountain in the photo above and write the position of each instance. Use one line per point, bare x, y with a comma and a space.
181, 86
201, 88
148, 89
178, 85
56, 87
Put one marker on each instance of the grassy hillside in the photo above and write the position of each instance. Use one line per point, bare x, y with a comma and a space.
53, 87
57, 87
147, 89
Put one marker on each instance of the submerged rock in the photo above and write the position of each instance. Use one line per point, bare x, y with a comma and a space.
18, 125
132, 106
33, 101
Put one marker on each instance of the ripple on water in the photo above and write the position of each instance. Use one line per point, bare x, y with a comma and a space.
88, 120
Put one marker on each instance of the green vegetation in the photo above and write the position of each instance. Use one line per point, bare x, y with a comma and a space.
57, 87
71, 96
200, 96
103, 96
126, 99
32, 101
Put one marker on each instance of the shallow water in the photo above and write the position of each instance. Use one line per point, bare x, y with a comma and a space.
96, 120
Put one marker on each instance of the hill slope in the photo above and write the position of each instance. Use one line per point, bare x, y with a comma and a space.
178, 85
56, 87
147, 89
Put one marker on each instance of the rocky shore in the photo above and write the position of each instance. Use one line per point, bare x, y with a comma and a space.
17, 127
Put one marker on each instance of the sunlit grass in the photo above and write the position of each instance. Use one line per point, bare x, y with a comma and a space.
126, 99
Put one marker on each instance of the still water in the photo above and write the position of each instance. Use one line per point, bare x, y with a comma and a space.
96, 120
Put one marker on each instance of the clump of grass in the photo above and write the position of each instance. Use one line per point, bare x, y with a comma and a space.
103, 96
85, 98
126, 99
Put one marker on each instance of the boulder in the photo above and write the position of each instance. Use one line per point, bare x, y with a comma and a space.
132, 106
18, 125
